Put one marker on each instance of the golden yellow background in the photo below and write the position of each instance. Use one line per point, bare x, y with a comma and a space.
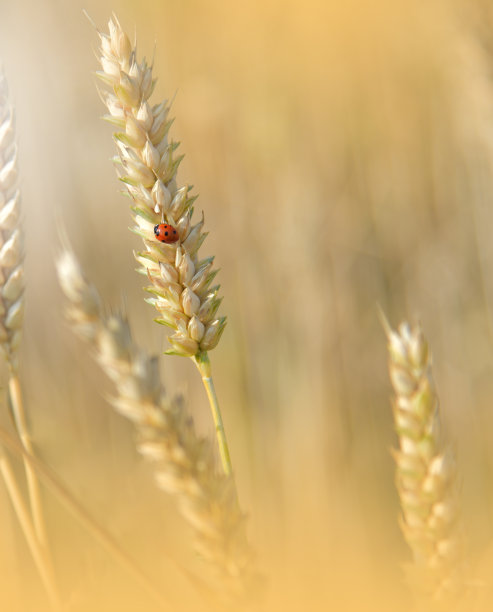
344, 159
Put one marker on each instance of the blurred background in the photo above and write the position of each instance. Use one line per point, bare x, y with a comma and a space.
344, 160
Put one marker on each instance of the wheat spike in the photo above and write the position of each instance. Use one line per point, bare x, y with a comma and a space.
184, 463
11, 256
11, 320
180, 281
425, 470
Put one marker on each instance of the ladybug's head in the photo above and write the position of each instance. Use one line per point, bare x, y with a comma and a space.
156, 230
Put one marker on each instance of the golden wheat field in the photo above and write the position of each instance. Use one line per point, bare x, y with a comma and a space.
343, 158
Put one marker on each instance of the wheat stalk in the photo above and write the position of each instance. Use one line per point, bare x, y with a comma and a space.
184, 463
38, 552
425, 470
180, 281
77, 511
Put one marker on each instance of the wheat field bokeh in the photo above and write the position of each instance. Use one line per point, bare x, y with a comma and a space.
344, 161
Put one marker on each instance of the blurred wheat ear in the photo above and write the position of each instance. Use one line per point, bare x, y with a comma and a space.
425, 471
11, 257
11, 319
183, 462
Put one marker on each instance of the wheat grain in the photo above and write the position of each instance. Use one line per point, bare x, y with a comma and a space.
181, 282
184, 463
425, 471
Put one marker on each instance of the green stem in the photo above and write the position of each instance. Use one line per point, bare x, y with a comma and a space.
203, 364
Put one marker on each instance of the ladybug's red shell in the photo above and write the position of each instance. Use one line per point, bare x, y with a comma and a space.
165, 233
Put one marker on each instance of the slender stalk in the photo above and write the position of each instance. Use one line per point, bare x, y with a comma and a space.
38, 552
15, 394
203, 364
78, 512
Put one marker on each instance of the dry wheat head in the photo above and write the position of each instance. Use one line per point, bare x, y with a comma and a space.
181, 281
11, 255
184, 463
425, 471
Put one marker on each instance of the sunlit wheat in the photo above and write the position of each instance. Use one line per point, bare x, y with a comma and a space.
181, 282
184, 463
11, 320
425, 469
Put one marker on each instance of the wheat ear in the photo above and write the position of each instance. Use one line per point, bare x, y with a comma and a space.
11, 259
181, 282
11, 315
12, 287
425, 471
184, 463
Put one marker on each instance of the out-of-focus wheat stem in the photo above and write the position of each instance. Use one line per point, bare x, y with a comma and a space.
38, 552
425, 471
204, 366
15, 395
80, 514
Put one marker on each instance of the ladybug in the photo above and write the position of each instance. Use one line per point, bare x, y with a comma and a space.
165, 233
